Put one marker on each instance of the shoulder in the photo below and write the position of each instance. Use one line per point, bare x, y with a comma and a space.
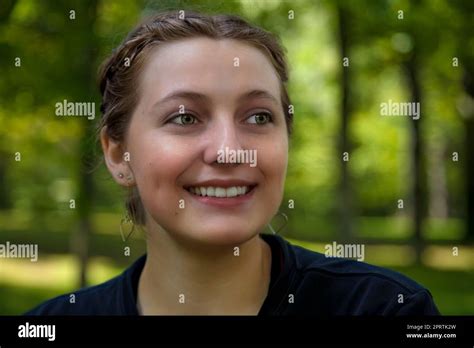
94, 300
113, 297
350, 287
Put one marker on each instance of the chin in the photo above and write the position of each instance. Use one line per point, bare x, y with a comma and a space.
228, 235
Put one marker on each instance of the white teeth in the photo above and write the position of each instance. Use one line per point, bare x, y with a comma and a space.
210, 191
220, 192
231, 191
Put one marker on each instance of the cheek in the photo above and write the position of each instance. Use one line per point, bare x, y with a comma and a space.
157, 164
275, 156
272, 161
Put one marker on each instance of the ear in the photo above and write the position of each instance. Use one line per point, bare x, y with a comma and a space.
116, 160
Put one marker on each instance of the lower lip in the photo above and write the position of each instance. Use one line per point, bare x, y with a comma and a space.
224, 202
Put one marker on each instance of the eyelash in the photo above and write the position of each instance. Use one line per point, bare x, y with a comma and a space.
268, 114
181, 115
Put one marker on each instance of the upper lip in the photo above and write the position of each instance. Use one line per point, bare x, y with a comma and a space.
222, 183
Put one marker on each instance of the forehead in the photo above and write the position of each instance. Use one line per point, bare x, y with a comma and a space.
210, 66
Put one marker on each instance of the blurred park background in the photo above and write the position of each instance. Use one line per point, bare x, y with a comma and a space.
406, 190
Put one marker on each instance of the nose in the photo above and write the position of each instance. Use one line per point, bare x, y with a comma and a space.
222, 135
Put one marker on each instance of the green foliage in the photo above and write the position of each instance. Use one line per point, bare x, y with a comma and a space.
42, 35
60, 57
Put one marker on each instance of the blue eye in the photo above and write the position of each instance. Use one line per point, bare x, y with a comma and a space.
184, 119
260, 118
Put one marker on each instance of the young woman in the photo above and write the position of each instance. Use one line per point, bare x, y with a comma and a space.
176, 94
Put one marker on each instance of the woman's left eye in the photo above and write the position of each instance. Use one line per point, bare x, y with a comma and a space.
184, 119
260, 118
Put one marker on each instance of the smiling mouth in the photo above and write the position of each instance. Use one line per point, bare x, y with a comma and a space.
220, 192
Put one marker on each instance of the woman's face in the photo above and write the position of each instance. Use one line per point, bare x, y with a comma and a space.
202, 100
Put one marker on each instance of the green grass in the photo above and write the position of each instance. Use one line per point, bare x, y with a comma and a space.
452, 291
16, 300
367, 227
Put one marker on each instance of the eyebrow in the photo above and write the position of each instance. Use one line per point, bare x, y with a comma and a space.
185, 94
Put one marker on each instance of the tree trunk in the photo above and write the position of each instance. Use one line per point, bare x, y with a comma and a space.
469, 152
418, 194
438, 193
82, 47
345, 203
5, 197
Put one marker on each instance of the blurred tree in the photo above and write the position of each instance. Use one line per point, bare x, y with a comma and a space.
412, 69
5, 157
345, 205
86, 45
81, 48
464, 32
6, 9
403, 59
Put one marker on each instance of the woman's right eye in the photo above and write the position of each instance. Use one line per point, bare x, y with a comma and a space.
183, 119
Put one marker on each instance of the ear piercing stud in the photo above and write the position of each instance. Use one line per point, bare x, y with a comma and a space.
129, 177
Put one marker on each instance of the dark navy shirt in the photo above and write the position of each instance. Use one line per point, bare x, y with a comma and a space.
303, 282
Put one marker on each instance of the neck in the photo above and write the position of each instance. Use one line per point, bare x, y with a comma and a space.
184, 280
